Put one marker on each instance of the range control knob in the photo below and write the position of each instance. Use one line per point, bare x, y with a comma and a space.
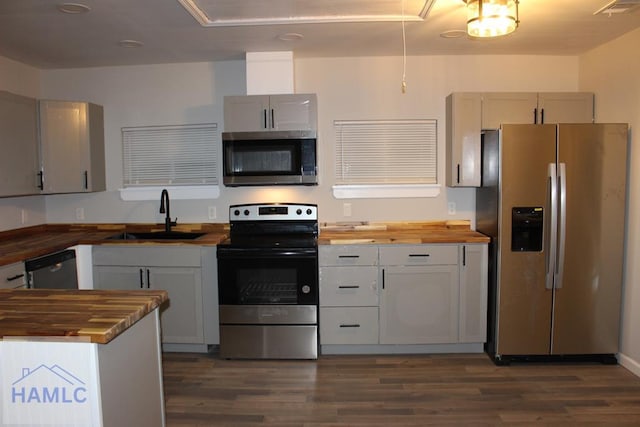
236, 212
246, 212
299, 211
306, 289
309, 211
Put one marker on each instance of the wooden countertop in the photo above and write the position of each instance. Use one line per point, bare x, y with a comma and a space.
21, 244
98, 315
399, 233
31, 242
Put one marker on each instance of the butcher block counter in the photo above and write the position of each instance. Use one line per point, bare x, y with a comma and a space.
31, 242
81, 357
98, 315
399, 232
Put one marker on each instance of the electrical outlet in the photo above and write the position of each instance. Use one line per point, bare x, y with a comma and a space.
451, 208
212, 212
346, 209
79, 214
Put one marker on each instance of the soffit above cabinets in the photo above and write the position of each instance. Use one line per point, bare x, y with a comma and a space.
212, 13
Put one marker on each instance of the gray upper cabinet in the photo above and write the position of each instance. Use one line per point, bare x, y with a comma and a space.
19, 145
270, 113
71, 147
469, 113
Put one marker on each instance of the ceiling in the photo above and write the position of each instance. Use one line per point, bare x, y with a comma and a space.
34, 32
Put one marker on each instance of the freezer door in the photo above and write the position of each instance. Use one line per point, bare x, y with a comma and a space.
587, 300
523, 301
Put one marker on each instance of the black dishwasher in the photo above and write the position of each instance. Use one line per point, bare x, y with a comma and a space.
54, 271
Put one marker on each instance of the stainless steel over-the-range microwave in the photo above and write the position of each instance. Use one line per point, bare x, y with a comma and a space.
269, 158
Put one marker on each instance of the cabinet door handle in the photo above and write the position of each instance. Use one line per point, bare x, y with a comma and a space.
419, 255
148, 279
273, 123
16, 277
41, 180
141, 279
458, 173
542, 116
464, 256
351, 325
535, 116
348, 287
264, 115
383, 278
348, 256
86, 180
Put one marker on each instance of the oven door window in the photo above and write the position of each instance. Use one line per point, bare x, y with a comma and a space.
267, 281
257, 158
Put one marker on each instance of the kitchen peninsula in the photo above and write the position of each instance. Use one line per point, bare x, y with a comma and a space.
82, 357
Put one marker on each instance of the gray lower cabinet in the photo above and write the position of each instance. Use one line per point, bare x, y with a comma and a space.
12, 276
419, 295
176, 269
348, 294
403, 296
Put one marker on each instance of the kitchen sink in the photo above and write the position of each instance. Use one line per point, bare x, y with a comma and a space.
157, 235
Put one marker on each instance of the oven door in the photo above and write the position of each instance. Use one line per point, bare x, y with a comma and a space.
267, 276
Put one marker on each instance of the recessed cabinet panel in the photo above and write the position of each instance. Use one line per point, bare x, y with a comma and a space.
270, 113
346, 255
508, 107
12, 276
71, 147
473, 293
566, 107
419, 305
19, 145
464, 111
419, 254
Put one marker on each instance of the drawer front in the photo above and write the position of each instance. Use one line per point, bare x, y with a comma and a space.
348, 255
12, 276
349, 325
348, 286
419, 254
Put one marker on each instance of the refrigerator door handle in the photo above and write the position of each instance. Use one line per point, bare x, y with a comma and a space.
553, 226
562, 196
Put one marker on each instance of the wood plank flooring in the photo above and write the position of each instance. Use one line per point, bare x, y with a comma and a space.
411, 390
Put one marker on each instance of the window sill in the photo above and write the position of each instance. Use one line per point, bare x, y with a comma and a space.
392, 191
176, 192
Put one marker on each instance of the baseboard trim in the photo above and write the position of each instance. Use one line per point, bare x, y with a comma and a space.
630, 364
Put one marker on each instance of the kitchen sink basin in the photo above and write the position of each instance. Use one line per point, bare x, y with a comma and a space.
157, 235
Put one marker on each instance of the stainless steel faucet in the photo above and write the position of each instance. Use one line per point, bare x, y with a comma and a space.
164, 200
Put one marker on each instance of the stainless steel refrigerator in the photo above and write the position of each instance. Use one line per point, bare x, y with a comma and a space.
553, 202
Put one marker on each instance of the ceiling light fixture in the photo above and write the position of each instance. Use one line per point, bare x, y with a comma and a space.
491, 18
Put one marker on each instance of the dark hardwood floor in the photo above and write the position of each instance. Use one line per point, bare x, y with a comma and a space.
410, 390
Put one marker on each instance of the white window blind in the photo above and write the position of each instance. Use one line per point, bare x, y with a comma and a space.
170, 155
386, 152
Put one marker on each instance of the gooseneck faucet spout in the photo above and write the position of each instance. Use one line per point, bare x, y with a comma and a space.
164, 201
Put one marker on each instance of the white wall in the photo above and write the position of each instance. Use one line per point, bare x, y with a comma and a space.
347, 88
17, 212
612, 71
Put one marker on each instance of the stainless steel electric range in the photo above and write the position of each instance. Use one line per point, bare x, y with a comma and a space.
268, 282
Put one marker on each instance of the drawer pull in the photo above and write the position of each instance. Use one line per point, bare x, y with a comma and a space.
348, 256
419, 255
354, 325
348, 287
16, 277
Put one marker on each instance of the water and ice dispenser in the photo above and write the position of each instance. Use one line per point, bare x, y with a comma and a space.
526, 229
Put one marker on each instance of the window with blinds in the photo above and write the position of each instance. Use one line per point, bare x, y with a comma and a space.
378, 152
181, 155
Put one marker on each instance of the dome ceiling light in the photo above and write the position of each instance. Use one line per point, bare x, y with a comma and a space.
491, 18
